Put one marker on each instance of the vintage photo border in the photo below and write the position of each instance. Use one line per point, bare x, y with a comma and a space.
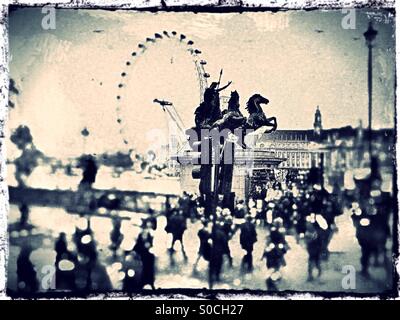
217, 6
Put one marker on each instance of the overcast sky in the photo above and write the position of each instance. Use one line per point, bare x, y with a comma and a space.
68, 77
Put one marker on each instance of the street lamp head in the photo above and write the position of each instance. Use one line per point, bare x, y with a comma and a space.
370, 34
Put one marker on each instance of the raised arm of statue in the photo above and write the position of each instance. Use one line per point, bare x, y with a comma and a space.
223, 88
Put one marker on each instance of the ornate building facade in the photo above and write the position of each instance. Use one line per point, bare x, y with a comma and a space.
299, 148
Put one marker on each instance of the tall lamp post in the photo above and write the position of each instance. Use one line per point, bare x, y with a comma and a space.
370, 36
85, 134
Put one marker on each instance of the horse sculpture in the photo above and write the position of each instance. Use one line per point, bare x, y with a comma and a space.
257, 120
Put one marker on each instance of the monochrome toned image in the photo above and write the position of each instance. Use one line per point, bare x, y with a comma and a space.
197, 151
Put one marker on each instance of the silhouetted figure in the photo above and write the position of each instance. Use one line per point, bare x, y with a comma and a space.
116, 236
372, 232
239, 214
143, 248
318, 197
314, 247
275, 250
219, 242
209, 110
152, 219
274, 255
240, 210
23, 221
259, 196
204, 235
133, 270
248, 237
225, 222
303, 211
329, 213
27, 281
86, 247
89, 168
66, 265
176, 225
61, 247
184, 204
84, 241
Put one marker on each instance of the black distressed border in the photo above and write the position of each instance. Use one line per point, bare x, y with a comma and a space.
227, 6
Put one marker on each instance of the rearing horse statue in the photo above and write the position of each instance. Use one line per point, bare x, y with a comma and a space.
257, 118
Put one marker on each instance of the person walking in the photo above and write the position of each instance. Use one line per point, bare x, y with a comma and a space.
248, 237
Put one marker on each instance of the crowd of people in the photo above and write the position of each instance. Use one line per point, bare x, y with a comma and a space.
302, 210
282, 210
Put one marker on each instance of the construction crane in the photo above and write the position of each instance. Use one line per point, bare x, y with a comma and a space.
174, 117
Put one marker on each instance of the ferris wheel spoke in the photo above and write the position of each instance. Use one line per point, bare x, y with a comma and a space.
143, 46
